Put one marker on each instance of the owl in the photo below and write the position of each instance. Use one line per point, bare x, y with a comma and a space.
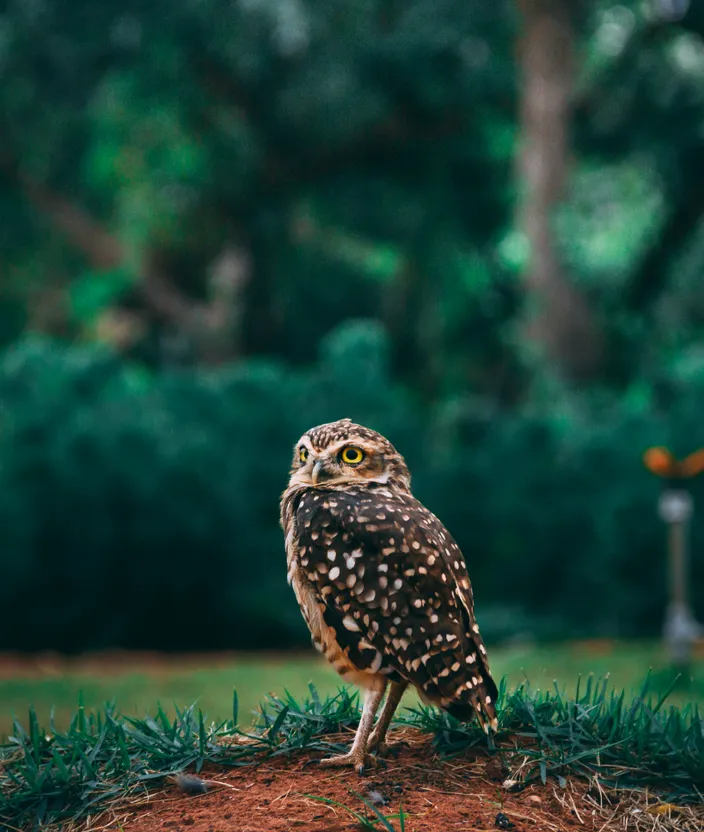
381, 583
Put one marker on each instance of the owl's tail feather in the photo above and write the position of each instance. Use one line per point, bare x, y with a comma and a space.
481, 702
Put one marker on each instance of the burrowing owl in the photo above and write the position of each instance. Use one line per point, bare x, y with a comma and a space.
381, 583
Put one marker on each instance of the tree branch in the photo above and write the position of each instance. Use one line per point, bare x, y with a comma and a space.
100, 248
207, 324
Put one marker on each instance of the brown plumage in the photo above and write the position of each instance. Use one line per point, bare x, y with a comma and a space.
381, 583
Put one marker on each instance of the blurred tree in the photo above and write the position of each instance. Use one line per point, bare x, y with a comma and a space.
635, 105
561, 320
367, 141
185, 180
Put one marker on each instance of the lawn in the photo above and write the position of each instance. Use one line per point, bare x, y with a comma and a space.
106, 771
211, 680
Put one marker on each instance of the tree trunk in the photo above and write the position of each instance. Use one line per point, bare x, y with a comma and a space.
560, 323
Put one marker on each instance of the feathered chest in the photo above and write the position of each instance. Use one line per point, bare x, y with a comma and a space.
382, 583
289, 503
323, 634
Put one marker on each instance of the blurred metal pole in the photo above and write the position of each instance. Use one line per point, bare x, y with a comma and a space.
681, 629
678, 558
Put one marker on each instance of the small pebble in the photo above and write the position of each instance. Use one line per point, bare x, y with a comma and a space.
190, 785
377, 798
503, 822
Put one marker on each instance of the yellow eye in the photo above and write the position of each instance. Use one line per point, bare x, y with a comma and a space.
352, 455
303, 454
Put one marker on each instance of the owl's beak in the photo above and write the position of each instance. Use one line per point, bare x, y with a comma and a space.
316, 472
320, 473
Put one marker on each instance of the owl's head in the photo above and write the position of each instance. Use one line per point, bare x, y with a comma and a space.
341, 453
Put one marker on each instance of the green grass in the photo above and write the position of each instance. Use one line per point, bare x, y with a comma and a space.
139, 693
49, 775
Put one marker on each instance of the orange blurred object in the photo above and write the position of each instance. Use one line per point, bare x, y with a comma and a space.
660, 461
693, 464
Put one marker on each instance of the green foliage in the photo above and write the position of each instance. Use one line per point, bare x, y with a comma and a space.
364, 142
364, 153
103, 757
95, 292
124, 491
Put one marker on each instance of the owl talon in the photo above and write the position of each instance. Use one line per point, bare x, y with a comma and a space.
360, 762
310, 763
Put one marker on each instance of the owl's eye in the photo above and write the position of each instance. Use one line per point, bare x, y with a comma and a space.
303, 454
352, 455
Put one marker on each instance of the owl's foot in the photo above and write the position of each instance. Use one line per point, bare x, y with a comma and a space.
359, 761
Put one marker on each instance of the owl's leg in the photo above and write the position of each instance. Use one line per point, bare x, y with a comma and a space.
358, 756
377, 741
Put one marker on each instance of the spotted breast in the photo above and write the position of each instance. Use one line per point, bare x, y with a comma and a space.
385, 592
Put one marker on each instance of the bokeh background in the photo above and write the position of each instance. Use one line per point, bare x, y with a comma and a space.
476, 227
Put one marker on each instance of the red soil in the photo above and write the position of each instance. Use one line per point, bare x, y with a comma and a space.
438, 796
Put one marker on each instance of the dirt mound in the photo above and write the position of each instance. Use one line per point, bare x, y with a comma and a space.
437, 796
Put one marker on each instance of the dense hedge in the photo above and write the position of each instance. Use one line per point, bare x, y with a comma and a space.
142, 510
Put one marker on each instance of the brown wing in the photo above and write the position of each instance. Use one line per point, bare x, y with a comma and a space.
394, 587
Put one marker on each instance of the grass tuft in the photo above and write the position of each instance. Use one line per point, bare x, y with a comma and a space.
373, 820
633, 744
103, 757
